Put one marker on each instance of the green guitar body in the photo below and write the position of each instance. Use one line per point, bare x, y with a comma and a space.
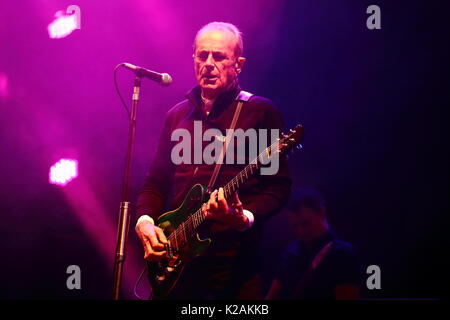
164, 275
182, 222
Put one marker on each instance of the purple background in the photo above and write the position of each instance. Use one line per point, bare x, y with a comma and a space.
370, 102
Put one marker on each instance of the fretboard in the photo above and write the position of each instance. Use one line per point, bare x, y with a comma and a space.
179, 237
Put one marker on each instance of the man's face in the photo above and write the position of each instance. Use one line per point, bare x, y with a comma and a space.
215, 63
308, 225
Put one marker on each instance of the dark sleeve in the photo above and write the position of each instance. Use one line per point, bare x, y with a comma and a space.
348, 269
157, 186
273, 190
286, 270
283, 268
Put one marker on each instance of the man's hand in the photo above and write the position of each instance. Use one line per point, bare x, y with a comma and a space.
153, 240
232, 214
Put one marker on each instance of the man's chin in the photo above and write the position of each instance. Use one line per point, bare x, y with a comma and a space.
210, 87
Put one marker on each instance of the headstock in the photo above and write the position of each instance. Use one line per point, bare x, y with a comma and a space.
291, 139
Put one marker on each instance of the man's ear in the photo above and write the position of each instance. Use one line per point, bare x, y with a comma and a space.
240, 64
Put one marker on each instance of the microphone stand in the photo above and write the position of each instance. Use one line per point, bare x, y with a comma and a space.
124, 214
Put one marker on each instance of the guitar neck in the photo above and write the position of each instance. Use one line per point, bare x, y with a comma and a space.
187, 228
234, 184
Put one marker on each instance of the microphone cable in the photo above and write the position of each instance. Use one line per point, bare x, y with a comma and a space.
137, 283
118, 91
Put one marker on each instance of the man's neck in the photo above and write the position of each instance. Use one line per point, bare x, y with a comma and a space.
210, 95
208, 98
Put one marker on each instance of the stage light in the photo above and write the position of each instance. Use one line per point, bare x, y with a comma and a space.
64, 24
64, 171
4, 92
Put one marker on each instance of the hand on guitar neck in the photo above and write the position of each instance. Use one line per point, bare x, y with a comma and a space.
230, 213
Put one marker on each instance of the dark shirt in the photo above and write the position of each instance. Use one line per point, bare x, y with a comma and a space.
167, 184
338, 267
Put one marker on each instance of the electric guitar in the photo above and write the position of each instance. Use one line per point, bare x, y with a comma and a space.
180, 225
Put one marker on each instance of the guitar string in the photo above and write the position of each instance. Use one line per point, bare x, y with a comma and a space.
234, 185
234, 182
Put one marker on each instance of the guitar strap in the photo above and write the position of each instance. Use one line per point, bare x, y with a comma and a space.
242, 97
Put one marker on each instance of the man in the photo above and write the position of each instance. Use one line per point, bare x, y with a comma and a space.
318, 265
229, 269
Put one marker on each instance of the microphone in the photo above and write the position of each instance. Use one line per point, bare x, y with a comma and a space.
162, 78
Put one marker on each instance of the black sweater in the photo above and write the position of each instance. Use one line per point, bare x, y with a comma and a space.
166, 184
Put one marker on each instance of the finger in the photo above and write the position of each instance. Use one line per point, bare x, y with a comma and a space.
154, 256
152, 250
148, 249
223, 205
212, 207
235, 198
154, 242
237, 201
161, 236
212, 203
213, 195
204, 210
220, 194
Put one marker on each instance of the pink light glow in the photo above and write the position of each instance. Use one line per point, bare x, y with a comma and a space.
4, 92
64, 171
62, 26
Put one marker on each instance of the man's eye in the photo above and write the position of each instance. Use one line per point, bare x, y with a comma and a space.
218, 57
202, 56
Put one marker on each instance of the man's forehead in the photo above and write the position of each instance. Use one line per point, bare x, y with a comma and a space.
218, 40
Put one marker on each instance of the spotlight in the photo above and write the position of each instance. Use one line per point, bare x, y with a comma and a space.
63, 171
64, 24
4, 92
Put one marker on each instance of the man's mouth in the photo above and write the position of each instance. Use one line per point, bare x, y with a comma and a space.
209, 77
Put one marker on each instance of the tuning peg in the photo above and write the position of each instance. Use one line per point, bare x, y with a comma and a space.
299, 146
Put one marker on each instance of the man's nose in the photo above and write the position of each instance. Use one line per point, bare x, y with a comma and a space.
210, 61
